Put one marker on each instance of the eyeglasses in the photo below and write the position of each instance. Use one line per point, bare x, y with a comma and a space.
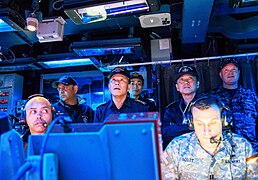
188, 80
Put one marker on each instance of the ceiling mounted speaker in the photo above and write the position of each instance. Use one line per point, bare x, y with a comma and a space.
155, 20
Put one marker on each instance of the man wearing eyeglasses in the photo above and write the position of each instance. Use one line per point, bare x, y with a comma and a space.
119, 85
173, 124
70, 104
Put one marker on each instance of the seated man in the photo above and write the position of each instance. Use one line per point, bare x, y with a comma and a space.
135, 91
119, 84
38, 115
209, 152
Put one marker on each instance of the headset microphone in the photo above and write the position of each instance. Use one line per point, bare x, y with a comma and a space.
213, 140
45, 125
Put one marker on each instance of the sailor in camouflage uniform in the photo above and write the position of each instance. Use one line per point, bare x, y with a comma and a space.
242, 102
209, 152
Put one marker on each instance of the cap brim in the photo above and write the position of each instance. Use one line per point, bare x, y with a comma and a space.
55, 84
110, 76
181, 74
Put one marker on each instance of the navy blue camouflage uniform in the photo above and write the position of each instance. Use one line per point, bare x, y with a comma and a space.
243, 104
80, 113
129, 106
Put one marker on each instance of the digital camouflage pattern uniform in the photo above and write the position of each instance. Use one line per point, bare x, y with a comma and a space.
184, 158
244, 108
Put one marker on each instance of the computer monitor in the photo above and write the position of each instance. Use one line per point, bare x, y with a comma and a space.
119, 150
11, 154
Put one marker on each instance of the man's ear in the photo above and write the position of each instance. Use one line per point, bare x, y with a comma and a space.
220, 75
75, 89
198, 84
128, 87
177, 87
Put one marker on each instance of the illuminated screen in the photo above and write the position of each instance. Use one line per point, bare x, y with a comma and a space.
5, 27
119, 150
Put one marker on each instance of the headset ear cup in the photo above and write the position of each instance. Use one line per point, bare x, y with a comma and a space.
189, 119
22, 118
226, 119
223, 118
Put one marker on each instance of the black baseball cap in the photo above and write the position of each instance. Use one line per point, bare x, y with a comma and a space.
66, 80
137, 75
226, 61
119, 70
186, 70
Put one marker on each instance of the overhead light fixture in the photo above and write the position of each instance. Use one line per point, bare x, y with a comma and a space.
103, 51
21, 64
32, 23
34, 16
66, 63
107, 47
51, 29
89, 12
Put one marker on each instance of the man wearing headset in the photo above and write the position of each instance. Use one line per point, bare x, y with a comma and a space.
209, 152
173, 124
38, 115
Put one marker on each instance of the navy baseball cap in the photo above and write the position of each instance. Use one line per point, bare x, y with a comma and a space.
119, 70
226, 61
66, 80
137, 75
186, 70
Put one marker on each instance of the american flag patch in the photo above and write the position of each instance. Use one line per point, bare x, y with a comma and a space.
166, 158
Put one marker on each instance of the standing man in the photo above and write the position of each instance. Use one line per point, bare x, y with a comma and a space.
136, 87
242, 102
173, 125
71, 104
119, 85
38, 116
209, 152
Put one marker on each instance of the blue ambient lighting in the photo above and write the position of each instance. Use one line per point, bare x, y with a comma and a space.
66, 63
127, 9
4, 27
103, 51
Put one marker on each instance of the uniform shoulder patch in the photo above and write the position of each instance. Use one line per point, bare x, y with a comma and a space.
144, 103
165, 157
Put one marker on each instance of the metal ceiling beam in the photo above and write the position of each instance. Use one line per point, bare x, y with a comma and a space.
196, 15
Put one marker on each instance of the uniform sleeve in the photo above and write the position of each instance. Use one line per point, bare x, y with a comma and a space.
97, 115
143, 108
170, 128
169, 162
252, 162
91, 115
152, 106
